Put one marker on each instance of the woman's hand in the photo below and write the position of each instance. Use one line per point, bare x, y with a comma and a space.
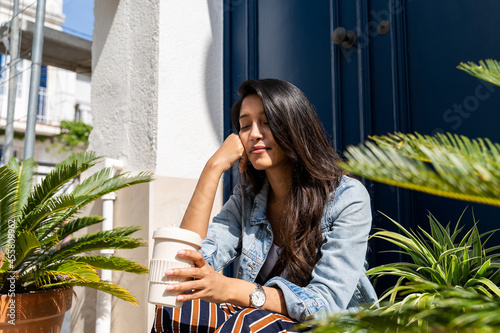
197, 214
229, 153
208, 284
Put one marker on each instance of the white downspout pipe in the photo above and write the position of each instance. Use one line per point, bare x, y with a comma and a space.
103, 307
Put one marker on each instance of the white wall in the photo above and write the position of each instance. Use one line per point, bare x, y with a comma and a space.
156, 97
61, 93
124, 89
190, 116
23, 85
167, 82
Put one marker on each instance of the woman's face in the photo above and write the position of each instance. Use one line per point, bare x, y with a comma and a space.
262, 151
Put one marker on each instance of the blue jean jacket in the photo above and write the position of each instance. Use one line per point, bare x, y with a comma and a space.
241, 233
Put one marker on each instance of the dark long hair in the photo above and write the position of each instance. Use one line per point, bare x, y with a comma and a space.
315, 172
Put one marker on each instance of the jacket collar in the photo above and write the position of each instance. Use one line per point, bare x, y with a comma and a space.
259, 209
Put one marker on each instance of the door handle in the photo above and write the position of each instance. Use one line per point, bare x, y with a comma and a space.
346, 39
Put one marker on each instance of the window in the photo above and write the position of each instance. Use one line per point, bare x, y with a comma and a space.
42, 96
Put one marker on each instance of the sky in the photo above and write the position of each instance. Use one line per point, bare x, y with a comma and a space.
79, 18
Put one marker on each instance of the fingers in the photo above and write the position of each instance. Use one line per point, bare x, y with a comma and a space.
191, 272
184, 286
243, 163
242, 166
190, 290
230, 152
190, 296
197, 257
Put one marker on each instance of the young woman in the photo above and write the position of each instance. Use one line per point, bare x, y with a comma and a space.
295, 224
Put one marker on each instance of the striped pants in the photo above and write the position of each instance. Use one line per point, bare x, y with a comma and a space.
200, 316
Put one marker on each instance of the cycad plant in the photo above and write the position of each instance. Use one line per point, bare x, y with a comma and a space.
38, 220
439, 258
450, 284
448, 310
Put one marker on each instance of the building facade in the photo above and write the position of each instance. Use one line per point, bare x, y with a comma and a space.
63, 94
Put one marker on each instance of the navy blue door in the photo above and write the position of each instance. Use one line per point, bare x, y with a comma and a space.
400, 76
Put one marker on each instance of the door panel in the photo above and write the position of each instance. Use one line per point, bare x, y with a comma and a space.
405, 80
294, 45
442, 97
445, 99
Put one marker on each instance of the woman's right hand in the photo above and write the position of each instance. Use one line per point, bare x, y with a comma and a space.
229, 153
197, 214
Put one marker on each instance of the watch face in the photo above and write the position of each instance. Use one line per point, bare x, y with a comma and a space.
258, 298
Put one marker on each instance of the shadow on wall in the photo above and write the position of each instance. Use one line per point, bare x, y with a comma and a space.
105, 24
214, 66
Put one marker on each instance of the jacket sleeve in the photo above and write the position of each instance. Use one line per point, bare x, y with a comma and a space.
223, 241
336, 274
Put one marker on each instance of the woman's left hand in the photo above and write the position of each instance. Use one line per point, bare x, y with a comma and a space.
208, 284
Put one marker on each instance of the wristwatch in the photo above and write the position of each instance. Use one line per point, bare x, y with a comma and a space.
258, 297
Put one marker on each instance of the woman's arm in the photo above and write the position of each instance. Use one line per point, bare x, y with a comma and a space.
240, 296
212, 286
339, 274
198, 211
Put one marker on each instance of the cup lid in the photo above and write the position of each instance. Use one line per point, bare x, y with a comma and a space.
176, 233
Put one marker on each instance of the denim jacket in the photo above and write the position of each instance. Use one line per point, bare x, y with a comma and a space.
241, 232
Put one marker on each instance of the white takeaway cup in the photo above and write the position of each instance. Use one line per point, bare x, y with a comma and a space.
168, 241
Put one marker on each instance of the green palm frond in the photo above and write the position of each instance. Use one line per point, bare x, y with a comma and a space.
50, 186
5, 267
63, 173
94, 181
91, 189
105, 286
78, 224
95, 187
26, 242
449, 165
86, 159
25, 172
35, 217
8, 190
67, 270
117, 238
113, 263
488, 70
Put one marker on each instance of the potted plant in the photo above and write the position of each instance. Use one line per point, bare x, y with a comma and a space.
39, 261
449, 284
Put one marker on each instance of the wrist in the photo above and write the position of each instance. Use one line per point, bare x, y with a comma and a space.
231, 288
216, 166
238, 292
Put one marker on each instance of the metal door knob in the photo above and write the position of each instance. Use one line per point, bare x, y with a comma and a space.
346, 39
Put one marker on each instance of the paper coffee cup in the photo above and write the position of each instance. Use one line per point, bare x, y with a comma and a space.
168, 241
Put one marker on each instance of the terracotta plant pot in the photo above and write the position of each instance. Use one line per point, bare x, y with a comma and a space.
41, 311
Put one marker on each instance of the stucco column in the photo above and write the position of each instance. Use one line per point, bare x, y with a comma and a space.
156, 99
124, 90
